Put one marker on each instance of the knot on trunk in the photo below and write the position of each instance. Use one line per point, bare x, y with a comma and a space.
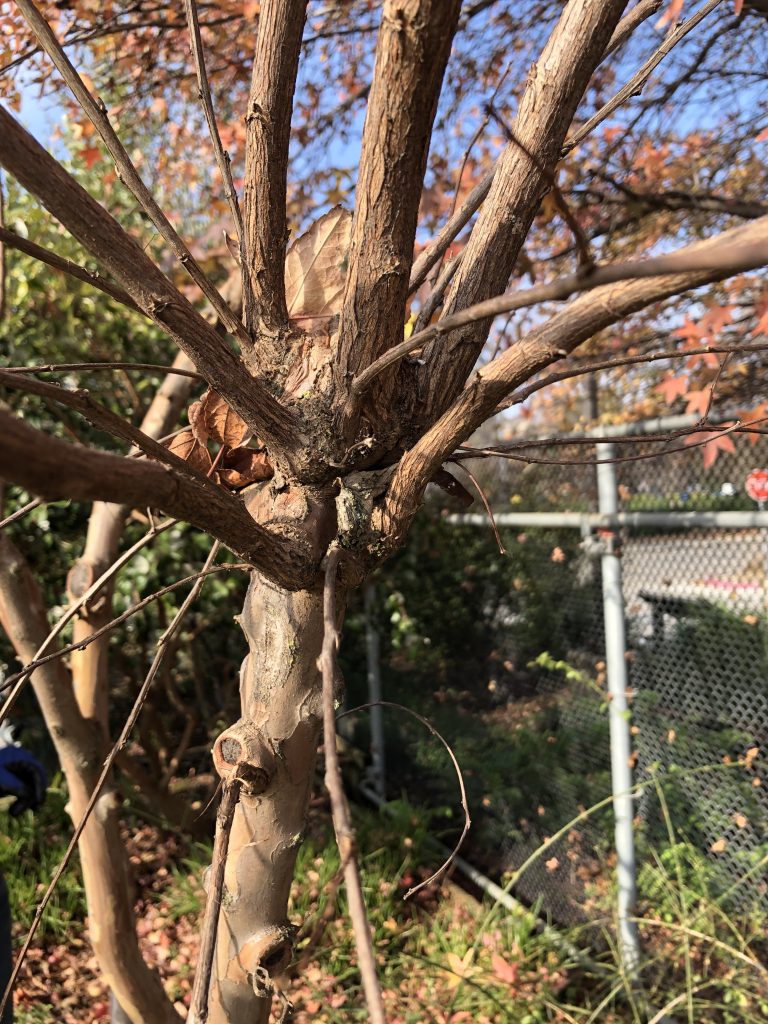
242, 754
267, 954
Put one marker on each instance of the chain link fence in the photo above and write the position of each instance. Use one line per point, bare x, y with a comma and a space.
693, 554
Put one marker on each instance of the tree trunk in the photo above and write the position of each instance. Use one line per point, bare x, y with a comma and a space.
275, 741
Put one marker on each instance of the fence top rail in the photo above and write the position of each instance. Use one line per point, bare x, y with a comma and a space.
595, 521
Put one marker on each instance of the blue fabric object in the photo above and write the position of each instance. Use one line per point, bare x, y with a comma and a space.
22, 776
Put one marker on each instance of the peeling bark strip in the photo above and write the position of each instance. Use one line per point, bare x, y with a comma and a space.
278, 733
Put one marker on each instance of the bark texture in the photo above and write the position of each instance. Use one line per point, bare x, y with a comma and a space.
276, 739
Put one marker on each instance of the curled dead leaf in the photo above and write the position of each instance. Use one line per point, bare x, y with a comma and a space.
187, 447
315, 266
212, 419
243, 466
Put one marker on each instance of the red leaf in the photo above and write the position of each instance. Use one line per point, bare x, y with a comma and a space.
672, 388
698, 401
91, 155
504, 971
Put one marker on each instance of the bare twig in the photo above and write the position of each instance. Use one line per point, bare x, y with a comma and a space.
702, 427
69, 367
488, 509
585, 259
113, 623
119, 744
638, 80
56, 262
226, 812
222, 156
457, 768
642, 10
20, 678
436, 249
592, 366
732, 257
97, 114
102, 417
435, 297
342, 822
19, 514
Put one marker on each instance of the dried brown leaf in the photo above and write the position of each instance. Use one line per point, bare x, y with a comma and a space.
212, 419
243, 466
315, 266
189, 448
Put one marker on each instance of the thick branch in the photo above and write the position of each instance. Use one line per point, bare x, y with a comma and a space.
632, 20
268, 127
97, 114
577, 322
56, 469
51, 259
38, 172
554, 88
102, 417
729, 258
412, 51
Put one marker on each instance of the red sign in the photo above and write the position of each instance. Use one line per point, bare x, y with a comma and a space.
756, 485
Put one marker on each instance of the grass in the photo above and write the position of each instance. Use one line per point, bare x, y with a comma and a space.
443, 956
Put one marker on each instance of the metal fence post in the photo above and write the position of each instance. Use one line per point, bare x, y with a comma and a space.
620, 735
372, 654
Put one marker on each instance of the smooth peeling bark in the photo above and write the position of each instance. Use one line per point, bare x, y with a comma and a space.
277, 737
102, 854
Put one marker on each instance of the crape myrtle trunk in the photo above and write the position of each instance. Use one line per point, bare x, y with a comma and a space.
274, 745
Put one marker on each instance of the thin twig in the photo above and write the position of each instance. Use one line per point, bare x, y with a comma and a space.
113, 623
21, 677
608, 364
162, 647
736, 427
65, 266
99, 415
342, 822
435, 297
97, 114
66, 367
436, 249
631, 21
584, 259
488, 509
222, 156
20, 513
465, 159
638, 80
464, 802
224, 816
733, 258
